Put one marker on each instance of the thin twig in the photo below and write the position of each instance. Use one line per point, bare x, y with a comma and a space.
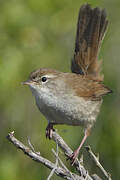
56, 164
86, 176
97, 163
63, 165
96, 177
31, 146
67, 151
38, 158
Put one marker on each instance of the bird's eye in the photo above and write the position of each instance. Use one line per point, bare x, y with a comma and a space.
44, 79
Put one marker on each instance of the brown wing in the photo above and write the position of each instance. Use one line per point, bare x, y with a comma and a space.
91, 28
86, 87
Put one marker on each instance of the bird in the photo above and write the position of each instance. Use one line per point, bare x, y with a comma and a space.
75, 98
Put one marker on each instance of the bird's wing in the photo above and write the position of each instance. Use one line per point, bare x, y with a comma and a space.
84, 86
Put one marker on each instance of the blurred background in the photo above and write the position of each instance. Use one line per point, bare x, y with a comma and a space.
41, 33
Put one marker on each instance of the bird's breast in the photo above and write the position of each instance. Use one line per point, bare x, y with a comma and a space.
64, 109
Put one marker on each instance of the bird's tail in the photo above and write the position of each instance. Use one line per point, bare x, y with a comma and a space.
91, 27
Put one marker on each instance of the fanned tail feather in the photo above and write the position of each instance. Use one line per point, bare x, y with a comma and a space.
92, 24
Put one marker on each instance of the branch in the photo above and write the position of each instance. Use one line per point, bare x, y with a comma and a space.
56, 164
97, 163
67, 151
59, 171
63, 165
38, 158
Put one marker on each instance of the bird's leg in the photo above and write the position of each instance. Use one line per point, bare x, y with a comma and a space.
49, 130
74, 155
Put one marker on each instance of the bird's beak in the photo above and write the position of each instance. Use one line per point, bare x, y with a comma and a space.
28, 82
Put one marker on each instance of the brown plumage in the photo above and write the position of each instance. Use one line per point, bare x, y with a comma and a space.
75, 98
86, 78
86, 87
83, 85
91, 27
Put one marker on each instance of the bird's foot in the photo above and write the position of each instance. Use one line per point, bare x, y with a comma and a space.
73, 156
49, 130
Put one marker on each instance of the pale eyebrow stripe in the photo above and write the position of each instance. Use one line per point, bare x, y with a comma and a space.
48, 76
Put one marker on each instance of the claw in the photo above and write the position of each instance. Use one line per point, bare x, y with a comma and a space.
73, 157
49, 131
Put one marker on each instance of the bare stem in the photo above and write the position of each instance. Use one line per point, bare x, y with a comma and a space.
56, 164
62, 170
67, 151
38, 158
97, 163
